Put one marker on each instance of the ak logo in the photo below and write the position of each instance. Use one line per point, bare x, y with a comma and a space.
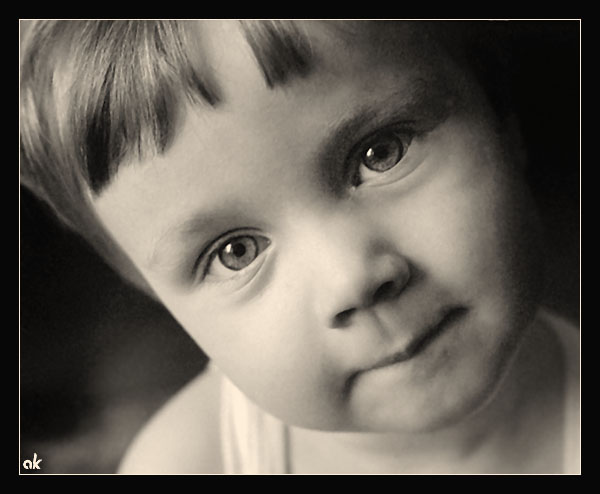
32, 465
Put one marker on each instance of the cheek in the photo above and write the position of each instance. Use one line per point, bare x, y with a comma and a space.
479, 242
269, 349
475, 230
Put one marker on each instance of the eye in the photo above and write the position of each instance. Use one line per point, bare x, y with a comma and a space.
379, 153
238, 253
235, 254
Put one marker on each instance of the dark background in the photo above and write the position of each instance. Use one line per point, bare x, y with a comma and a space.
98, 358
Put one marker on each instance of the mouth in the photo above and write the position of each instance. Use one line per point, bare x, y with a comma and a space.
423, 340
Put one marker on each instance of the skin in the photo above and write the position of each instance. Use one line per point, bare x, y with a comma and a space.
348, 274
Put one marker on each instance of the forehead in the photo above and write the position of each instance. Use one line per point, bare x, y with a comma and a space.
260, 136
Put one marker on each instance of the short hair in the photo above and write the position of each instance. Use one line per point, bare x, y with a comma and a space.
98, 93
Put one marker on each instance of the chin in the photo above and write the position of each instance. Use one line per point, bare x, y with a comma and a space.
456, 397
468, 401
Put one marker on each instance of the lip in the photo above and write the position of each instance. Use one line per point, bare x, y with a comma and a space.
423, 340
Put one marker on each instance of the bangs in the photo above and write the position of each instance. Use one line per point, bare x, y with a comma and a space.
97, 93
280, 49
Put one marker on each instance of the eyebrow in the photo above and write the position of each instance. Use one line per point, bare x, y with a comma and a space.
394, 107
170, 245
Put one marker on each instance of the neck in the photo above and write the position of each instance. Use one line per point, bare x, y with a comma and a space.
499, 436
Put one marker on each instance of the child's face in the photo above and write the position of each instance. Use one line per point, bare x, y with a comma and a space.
304, 234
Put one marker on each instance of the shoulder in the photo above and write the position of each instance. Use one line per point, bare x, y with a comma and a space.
184, 435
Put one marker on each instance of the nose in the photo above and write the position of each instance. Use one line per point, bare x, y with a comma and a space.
341, 317
359, 270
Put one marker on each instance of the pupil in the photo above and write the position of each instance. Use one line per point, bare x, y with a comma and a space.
380, 151
383, 155
238, 249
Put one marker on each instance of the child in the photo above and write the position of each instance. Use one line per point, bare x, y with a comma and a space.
335, 213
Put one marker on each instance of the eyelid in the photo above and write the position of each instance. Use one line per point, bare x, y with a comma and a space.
402, 127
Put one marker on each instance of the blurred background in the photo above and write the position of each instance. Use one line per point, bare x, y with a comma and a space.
97, 358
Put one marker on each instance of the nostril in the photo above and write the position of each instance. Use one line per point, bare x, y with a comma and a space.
343, 318
385, 291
